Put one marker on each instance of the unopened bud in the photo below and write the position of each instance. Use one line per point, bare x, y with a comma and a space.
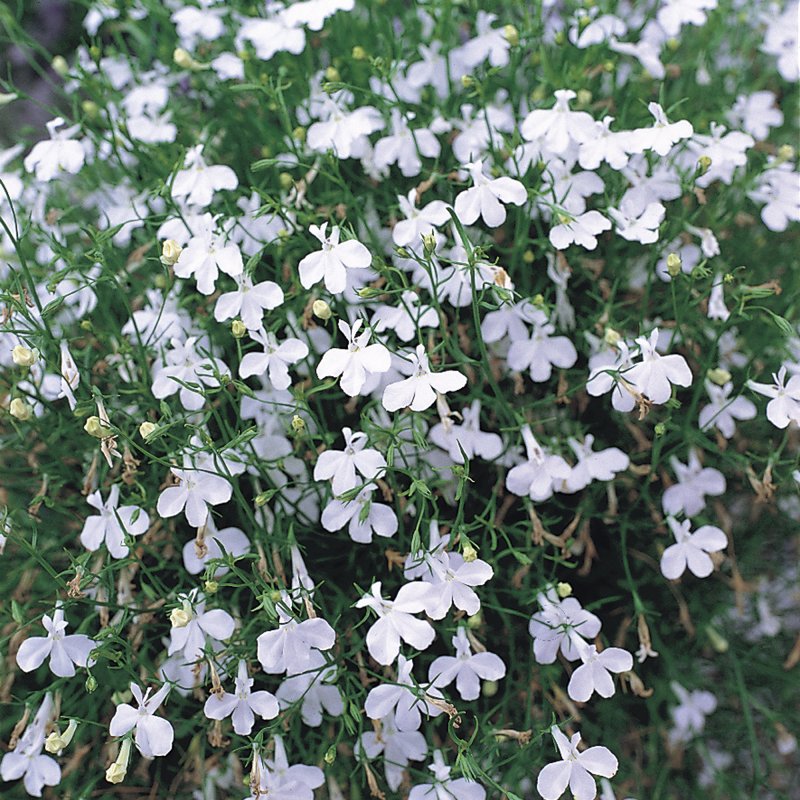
90, 108
563, 590
611, 337
718, 641
286, 181
95, 427
238, 329
321, 310
786, 153
332, 74
57, 741
330, 754
299, 134
528, 257
185, 61
298, 424
703, 165
91, 684
23, 356
429, 243
467, 81
119, 768
719, 376
20, 409
469, 553
170, 252
210, 587
5, 99
584, 97
511, 35
674, 264
180, 617
489, 688
358, 53
146, 429
475, 621
60, 66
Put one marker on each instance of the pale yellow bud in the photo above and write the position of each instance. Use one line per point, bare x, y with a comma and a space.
20, 409
119, 769
210, 587
489, 688
584, 97
23, 356
611, 337
475, 621
703, 165
57, 741
674, 264
563, 590
321, 310
718, 641
511, 35
95, 427
429, 243
719, 376
5, 99
60, 66
180, 617
332, 74
185, 61
90, 108
359, 53
146, 429
469, 552
170, 252
298, 424
238, 329
785, 152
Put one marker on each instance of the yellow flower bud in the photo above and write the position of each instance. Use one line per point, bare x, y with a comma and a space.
20, 409
584, 97
185, 61
90, 108
180, 617
95, 427
703, 165
511, 35
210, 587
170, 252
286, 181
238, 329
674, 264
57, 741
785, 153
60, 66
469, 552
359, 53
5, 99
146, 429
475, 621
119, 768
489, 688
528, 257
332, 74
321, 310
718, 641
429, 243
23, 356
298, 424
611, 337
563, 590
467, 81
719, 376
299, 134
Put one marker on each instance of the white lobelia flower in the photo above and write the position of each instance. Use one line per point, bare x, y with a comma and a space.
184, 364
467, 437
112, 524
561, 624
723, 410
233, 540
593, 466
558, 126
193, 626
60, 153
249, 302
195, 492
362, 515
538, 476
601, 380
604, 145
27, 761
404, 146
638, 227
314, 688
196, 183
275, 358
691, 549
154, 735
418, 222
280, 781
694, 482
655, 374
206, 255
405, 698
575, 769
594, 674
419, 391
395, 621
243, 705
398, 748
486, 197
290, 648
446, 787
344, 132
784, 405
332, 261
451, 584
690, 715
356, 362
466, 668
70, 377
716, 300
582, 229
339, 466
404, 318
65, 651
662, 136
542, 351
